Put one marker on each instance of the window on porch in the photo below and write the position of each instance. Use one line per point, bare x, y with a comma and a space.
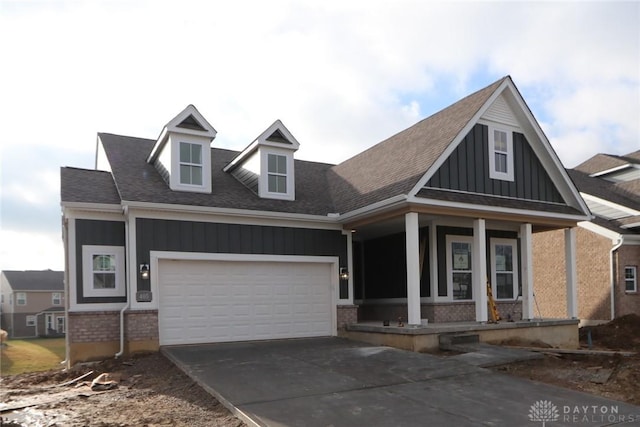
459, 267
504, 268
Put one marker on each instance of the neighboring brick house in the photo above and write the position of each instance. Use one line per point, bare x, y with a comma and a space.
608, 247
33, 303
172, 241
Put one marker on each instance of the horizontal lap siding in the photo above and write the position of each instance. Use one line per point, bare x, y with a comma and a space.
206, 237
467, 169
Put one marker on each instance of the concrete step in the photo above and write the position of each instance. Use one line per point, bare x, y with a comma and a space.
450, 341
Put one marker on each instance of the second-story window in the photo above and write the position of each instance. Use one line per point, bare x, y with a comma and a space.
190, 164
277, 173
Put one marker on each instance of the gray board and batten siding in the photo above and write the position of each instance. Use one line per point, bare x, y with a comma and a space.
467, 170
96, 232
209, 237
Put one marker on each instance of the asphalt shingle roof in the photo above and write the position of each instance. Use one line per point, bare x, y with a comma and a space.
89, 186
137, 180
31, 280
395, 165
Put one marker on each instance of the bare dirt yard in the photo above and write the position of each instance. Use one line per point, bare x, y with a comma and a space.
151, 391
612, 376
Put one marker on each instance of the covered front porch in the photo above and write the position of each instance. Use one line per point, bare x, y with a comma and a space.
422, 267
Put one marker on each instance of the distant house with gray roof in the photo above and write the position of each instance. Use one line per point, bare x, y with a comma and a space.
172, 241
608, 247
32, 303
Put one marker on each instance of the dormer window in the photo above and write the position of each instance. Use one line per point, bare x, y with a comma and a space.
182, 152
277, 173
500, 154
266, 166
190, 163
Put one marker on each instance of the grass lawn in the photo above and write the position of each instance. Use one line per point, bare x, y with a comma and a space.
31, 355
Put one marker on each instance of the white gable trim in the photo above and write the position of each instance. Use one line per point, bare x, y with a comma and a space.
601, 231
261, 140
532, 131
172, 127
612, 170
621, 208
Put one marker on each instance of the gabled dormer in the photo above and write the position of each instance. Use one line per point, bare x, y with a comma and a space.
266, 166
182, 152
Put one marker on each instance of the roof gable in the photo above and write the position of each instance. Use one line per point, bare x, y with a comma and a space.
395, 165
188, 122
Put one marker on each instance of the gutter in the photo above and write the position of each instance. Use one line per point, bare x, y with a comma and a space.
125, 211
612, 275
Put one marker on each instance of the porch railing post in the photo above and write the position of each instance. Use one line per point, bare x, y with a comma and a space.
479, 269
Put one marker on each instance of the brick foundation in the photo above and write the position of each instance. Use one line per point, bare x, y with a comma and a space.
442, 312
96, 335
346, 314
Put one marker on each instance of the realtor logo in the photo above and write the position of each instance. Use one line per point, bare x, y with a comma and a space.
543, 411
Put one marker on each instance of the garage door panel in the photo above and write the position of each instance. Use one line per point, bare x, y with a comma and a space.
218, 301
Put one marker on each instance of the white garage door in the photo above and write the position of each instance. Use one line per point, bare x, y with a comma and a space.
219, 301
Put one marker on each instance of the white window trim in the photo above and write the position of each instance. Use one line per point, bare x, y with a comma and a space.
457, 239
516, 279
508, 176
277, 174
635, 279
190, 164
23, 299
53, 298
174, 180
30, 320
263, 183
88, 251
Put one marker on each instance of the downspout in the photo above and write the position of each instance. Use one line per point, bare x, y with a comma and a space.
612, 276
125, 211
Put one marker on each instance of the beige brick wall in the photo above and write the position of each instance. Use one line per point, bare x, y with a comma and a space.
627, 303
141, 325
549, 274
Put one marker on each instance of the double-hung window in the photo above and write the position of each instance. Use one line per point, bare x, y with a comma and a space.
500, 154
190, 163
276, 173
31, 320
56, 298
631, 278
21, 298
103, 271
504, 268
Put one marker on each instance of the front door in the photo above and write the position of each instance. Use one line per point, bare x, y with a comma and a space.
49, 321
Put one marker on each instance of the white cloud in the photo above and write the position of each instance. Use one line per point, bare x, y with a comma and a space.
341, 75
31, 251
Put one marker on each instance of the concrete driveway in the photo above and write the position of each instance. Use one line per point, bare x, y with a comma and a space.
337, 382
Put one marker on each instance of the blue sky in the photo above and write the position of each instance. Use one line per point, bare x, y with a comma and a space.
341, 75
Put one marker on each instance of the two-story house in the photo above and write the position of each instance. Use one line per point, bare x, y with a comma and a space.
33, 303
174, 241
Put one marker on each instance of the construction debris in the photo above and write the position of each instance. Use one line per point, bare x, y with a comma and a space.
102, 382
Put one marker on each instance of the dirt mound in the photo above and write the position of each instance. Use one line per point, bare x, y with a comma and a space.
622, 333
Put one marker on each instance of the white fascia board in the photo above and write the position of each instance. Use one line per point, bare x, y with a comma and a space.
632, 225
631, 239
230, 215
159, 144
375, 208
605, 202
601, 231
612, 170
456, 141
92, 211
494, 209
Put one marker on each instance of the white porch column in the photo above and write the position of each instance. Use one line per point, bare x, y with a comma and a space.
572, 272
527, 271
479, 269
413, 267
